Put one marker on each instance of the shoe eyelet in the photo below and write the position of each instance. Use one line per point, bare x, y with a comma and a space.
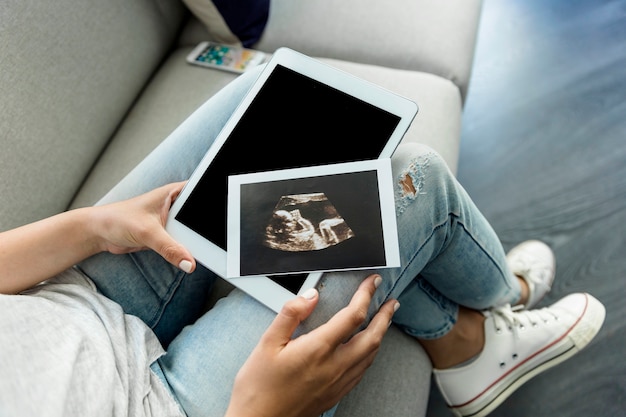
498, 330
514, 356
502, 364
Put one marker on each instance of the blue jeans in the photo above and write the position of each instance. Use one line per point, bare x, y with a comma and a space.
450, 256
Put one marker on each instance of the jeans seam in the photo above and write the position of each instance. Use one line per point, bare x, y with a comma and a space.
491, 258
163, 301
415, 255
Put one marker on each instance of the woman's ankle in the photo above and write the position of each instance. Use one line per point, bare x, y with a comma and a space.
525, 291
463, 342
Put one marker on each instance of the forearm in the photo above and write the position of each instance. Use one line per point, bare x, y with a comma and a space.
40, 250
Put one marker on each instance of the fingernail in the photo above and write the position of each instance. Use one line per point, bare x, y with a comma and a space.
185, 265
377, 281
309, 294
396, 306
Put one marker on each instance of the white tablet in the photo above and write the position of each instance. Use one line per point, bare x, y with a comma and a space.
300, 112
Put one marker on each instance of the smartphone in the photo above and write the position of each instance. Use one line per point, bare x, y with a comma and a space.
225, 57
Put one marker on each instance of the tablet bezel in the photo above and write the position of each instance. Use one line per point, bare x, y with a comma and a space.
214, 257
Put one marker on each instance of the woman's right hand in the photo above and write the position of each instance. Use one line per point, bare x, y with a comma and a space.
308, 375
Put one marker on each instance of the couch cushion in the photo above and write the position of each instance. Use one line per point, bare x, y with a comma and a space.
174, 93
232, 21
179, 88
70, 71
396, 385
424, 35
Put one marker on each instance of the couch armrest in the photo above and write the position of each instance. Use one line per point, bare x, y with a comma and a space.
425, 35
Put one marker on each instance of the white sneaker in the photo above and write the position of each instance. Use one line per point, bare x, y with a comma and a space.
518, 346
533, 261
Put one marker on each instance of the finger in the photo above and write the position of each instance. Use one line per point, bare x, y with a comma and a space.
360, 352
170, 194
349, 319
355, 374
352, 374
162, 242
172, 251
368, 341
382, 319
290, 316
175, 189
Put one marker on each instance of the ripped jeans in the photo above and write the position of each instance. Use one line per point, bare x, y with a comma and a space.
450, 256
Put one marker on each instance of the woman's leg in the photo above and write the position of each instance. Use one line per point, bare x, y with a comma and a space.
466, 263
143, 283
450, 255
481, 357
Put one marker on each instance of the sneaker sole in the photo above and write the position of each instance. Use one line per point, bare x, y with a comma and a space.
582, 332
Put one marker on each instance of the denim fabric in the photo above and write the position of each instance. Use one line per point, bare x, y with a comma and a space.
450, 257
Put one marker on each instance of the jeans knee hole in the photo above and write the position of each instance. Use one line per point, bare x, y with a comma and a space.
411, 182
408, 189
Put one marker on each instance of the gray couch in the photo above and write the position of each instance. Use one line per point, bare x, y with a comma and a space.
88, 88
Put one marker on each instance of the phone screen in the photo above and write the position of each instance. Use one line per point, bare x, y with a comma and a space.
224, 56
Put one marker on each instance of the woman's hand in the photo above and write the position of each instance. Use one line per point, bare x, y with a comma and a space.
35, 252
308, 375
139, 223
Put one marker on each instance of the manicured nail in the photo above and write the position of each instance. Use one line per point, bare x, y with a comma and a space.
309, 294
396, 306
377, 281
185, 265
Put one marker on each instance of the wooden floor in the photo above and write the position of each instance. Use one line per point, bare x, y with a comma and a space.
544, 156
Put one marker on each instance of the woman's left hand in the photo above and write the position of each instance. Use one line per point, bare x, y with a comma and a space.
139, 223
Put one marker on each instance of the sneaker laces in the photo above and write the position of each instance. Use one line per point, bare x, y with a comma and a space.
516, 319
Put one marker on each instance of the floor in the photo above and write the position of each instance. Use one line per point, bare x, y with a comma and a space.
544, 156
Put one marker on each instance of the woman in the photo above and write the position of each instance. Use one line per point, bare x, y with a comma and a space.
92, 323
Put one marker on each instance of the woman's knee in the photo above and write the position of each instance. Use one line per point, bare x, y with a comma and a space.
418, 170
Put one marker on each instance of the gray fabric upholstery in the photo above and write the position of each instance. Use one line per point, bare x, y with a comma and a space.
70, 71
397, 384
172, 95
431, 36
422, 35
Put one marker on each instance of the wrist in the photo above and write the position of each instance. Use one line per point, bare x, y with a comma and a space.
93, 221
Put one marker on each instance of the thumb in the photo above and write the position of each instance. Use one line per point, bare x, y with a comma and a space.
290, 316
172, 251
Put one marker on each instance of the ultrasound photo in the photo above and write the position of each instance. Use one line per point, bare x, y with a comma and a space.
327, 221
